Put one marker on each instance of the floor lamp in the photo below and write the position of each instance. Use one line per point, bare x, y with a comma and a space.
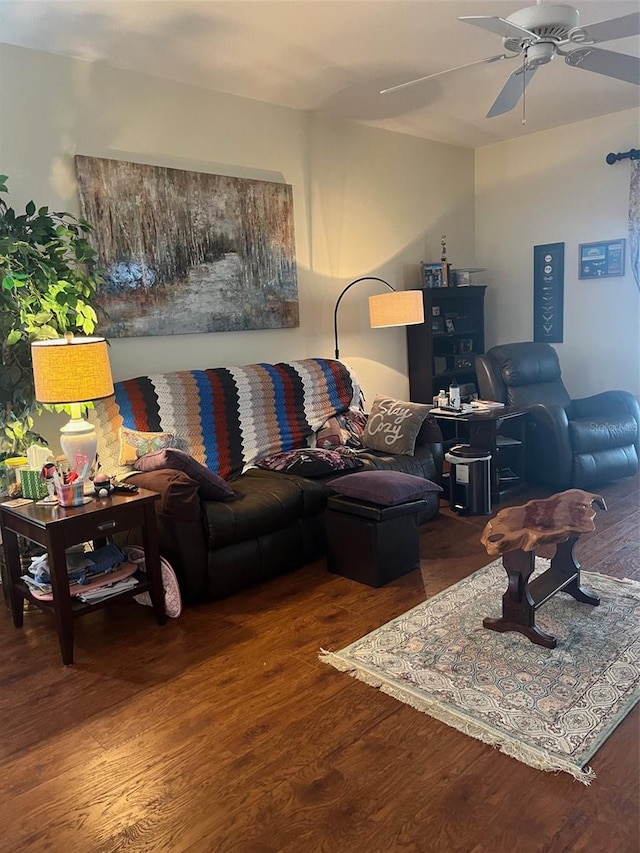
72, 371
398, 308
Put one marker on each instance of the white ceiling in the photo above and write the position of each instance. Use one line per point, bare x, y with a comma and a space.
332, 56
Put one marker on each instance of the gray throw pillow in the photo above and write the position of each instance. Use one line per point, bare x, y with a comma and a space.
393, 425
211, 486
386, 488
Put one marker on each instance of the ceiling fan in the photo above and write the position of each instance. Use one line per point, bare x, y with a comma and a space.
538, 34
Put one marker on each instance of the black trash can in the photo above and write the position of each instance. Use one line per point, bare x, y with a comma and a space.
470, 480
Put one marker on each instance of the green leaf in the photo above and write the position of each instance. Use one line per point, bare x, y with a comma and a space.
30, 208
13, 337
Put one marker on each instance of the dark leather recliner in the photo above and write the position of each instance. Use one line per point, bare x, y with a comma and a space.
570, 443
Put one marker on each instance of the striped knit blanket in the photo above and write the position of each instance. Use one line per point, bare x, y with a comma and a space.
228, 417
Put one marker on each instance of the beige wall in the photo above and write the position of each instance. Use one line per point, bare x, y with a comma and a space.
555, 187
366, 201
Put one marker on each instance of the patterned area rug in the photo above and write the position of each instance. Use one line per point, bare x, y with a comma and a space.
549, 708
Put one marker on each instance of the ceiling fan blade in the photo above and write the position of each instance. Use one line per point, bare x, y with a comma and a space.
499, 26
511, 91
607, 62
487, 60
614, 28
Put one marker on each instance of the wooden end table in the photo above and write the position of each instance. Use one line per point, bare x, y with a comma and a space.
516, 533
484, 430
57, 528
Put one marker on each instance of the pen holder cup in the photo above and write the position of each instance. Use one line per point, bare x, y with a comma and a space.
71, 494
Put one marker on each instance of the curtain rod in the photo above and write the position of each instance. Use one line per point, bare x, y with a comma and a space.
632, 154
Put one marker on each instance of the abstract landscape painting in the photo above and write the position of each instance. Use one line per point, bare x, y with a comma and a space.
188, 252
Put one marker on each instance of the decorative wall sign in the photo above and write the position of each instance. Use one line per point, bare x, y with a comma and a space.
548, 292
188, 252
601, 260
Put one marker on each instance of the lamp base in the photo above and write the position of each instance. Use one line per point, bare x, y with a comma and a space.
79, 442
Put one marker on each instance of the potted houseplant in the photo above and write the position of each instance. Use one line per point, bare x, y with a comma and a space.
48, 280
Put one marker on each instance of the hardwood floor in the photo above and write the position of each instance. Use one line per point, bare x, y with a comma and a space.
222, 731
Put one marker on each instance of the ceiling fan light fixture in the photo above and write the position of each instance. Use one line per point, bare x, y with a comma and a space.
539, 54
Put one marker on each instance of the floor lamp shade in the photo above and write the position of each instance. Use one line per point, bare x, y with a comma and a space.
400, 308
396, 308
72, 371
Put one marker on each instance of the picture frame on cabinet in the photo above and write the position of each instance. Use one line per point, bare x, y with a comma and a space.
436, 325
432, 275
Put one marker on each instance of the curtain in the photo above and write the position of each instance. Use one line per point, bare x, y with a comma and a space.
634, 220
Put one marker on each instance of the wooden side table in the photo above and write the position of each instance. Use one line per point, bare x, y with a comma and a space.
516, 533
488, 431
58, 528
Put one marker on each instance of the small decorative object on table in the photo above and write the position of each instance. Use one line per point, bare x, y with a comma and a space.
102, 485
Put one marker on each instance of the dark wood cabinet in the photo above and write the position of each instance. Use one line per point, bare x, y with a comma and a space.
446, 344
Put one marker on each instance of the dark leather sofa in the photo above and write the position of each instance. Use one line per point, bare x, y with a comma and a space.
570, 443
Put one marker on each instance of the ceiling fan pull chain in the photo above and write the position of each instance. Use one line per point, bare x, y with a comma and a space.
524, 88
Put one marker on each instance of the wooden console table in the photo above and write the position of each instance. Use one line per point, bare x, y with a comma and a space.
551, 524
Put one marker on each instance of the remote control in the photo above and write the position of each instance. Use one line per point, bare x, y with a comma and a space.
127, 488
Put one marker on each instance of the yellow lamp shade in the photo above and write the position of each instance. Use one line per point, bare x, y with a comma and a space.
73, 370
399, 308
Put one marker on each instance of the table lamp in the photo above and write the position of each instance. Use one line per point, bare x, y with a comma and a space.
398, 308
73, 371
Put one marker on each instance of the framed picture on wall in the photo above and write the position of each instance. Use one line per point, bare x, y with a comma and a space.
601, 260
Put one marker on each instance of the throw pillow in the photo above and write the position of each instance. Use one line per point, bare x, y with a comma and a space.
211, 486
311, 461
343, 429
393, 425
134, 443
386, 488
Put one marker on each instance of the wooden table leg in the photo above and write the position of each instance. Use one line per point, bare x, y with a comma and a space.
152, 564
61, 596
518, 607
13, 568
565, 561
